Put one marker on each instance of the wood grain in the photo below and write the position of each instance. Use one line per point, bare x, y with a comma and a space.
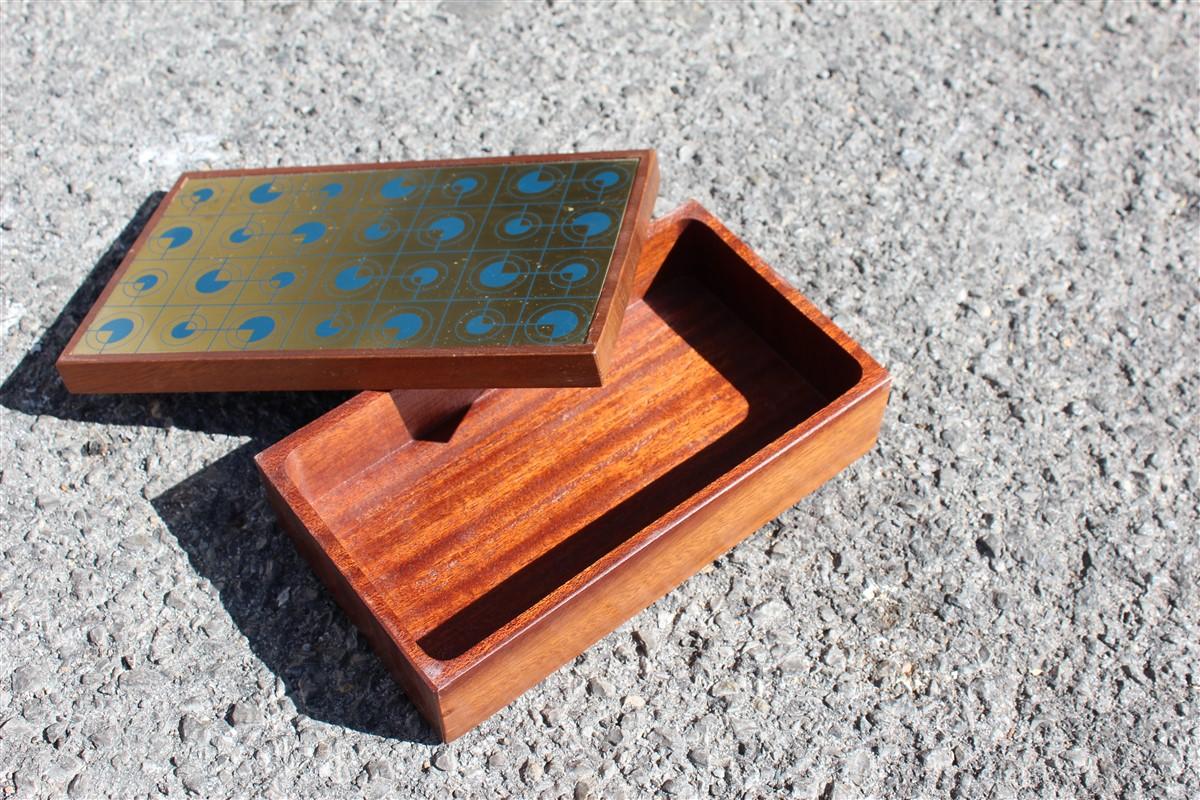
482, 540
386, 369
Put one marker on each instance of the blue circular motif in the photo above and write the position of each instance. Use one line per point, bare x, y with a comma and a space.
327, 327
535, 181
198, 197
426, 275
116, 330
496, 276
213, 281
181, 331
145, 283
481, 325
176, 237
381, 229
309, 232
553, 324
255, 329
340, 323
184, 329
447, 228
520, 225
353, 278
573, 271
404, 325
281, 280
464, 185
604, 180
397, 188
264, 193
243, 234
587, 224
501, 273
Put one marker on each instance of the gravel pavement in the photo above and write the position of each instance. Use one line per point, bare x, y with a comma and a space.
1000, 601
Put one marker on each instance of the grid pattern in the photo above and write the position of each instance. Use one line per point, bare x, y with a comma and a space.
447, 257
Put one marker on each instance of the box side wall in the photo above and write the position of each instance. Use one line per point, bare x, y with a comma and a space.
638, 220
501, 676
354, 607
157, 373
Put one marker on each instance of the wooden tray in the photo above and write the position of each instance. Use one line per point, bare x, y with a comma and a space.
476, 272
483, 541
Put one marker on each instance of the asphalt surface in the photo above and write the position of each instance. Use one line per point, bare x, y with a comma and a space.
1002, 203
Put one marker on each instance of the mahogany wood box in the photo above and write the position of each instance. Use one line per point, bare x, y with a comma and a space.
481, 539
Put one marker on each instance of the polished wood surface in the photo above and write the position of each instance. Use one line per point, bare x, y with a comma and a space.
483, 539
582, 364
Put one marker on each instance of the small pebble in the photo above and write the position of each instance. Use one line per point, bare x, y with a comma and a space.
244, 713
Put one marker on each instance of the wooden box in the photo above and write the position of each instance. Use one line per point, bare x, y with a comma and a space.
481, 540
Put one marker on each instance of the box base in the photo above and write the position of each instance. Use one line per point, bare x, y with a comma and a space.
482, 558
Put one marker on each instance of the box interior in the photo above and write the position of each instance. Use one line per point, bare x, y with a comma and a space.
469, 516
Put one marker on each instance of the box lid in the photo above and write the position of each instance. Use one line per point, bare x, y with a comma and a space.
480, 272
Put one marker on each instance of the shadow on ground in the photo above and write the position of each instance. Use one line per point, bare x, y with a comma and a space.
221, 519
